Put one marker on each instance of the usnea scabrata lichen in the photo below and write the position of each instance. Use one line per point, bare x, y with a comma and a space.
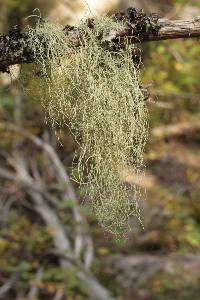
95, 90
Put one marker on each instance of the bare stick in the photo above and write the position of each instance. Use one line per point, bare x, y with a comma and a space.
34, 289
4, 289
176, 29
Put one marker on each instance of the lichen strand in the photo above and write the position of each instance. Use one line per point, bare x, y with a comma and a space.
96, 92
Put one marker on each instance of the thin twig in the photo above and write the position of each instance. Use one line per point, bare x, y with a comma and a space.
34, 289
9, 284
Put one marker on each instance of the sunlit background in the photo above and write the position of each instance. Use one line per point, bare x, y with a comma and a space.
37, 220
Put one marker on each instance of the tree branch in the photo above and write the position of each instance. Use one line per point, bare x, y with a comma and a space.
139, 27
177, 29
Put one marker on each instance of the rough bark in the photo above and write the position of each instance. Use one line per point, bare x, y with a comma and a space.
177, 29
140, 27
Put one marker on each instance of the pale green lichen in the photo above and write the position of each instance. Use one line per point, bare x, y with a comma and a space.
96, 92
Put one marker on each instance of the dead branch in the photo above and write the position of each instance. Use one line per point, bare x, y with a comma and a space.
176, 29
34, 289
59, 295
61, 241
139, 27
82, 239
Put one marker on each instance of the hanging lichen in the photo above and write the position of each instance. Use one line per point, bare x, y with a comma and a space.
95, 90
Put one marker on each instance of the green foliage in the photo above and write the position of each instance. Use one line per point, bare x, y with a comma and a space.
17, 233
179, 66
166, 286
23, 247
6, 102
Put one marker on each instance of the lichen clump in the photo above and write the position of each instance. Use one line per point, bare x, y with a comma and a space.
95, 89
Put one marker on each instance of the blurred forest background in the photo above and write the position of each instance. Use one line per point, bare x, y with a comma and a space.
40, 211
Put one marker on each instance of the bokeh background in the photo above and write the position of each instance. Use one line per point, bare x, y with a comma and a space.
38, 203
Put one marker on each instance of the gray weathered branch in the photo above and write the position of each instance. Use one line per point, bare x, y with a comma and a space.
9, 284
176, 29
